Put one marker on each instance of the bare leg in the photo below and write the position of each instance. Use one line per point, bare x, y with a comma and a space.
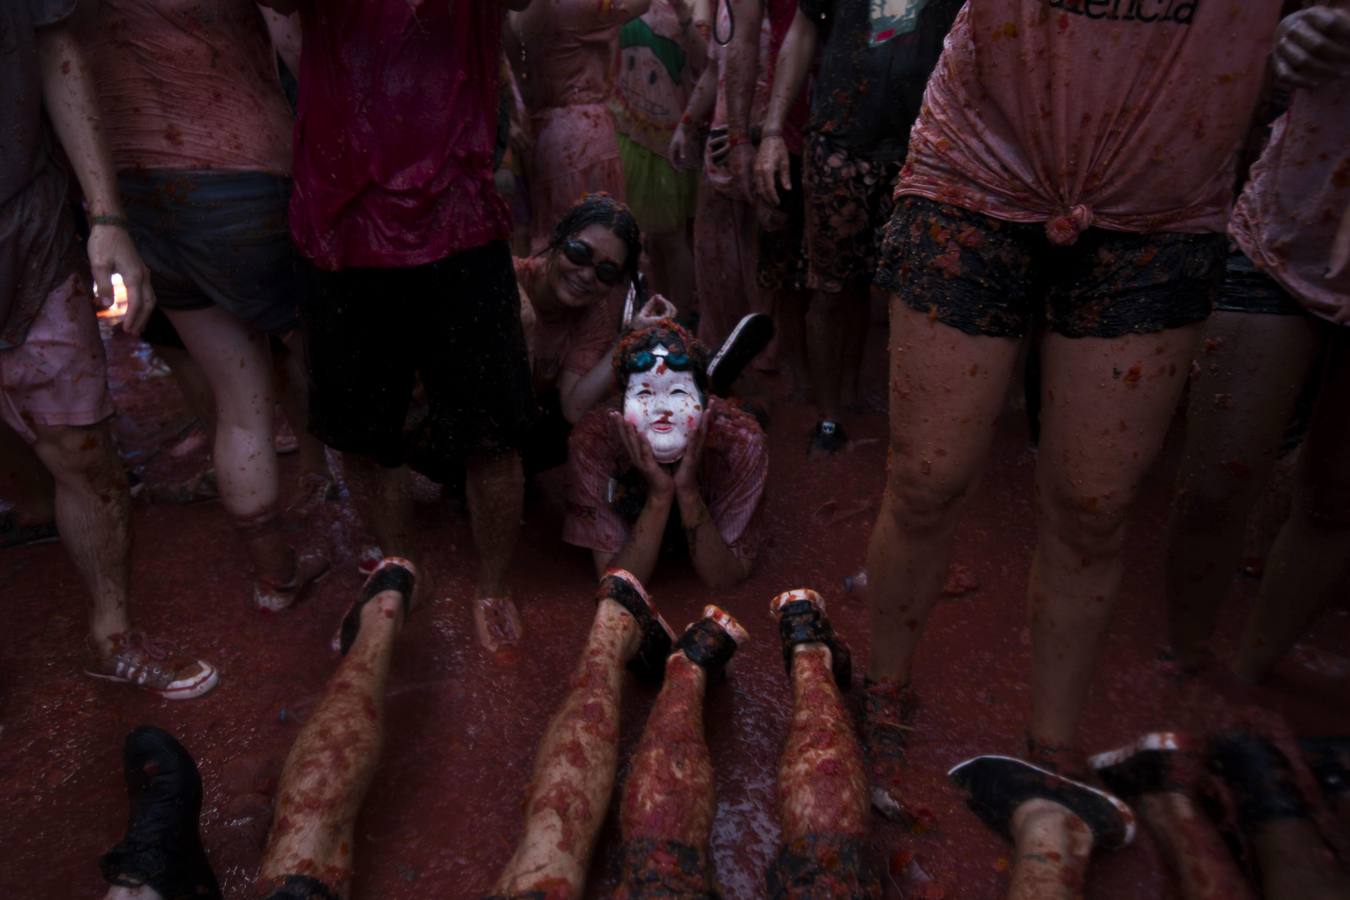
575, 767
1107, 405
1310, 554
292, 386
822, 788
857, 322
1296, 864
496, 494
673, 267
1052, 850
384, 497
669, 795
825, 337
1201, 862
789, 316
947, 391
330, 767
93, 513
192, 383
1252, 367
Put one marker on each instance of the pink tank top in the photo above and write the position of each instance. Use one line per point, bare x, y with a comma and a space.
1124, 114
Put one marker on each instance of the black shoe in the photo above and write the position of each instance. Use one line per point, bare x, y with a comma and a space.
393, 573
750, 336
1260, 778
801, 620
828, 437
162, 847
1157, 763
649, 663
997, 785
712, 641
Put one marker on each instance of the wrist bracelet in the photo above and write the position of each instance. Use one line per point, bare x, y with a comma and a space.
115, 221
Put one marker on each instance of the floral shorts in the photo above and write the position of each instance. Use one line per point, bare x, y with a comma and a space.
848, 200
989, 277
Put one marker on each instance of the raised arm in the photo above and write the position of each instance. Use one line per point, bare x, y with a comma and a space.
72, 106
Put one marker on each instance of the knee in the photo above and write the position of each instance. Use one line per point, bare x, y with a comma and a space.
921, 500
1091, 525
78, 453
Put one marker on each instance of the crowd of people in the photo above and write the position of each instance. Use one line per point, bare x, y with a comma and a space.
483, 240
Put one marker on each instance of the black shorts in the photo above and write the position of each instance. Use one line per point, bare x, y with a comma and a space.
780, 263
824, 865
988, 277
216, 238
455, 323
1247, 289
848, 203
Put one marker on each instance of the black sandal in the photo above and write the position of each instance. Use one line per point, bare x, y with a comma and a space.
801, 620
649, 662
393, 573
712, 641
997, 785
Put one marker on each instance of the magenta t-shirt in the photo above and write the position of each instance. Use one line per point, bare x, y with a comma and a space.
394, 133
1124, 114
1288, 215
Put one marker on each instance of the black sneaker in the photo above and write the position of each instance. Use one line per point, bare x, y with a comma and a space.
997, 785
1161, 762
712, 641
162, 847
828, 437
746, 341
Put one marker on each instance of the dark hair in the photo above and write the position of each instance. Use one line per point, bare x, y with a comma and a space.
602, 209
671, 335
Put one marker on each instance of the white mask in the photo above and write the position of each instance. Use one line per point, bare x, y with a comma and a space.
665, 407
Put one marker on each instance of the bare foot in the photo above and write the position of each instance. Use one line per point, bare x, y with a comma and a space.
497, 622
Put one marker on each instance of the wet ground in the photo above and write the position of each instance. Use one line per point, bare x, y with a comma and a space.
445, 807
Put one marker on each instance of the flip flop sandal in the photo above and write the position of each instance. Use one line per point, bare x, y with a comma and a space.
1156, 763
162, 847
801, 620
1260, 777
712, 641
392, 574
997, 785
649, 663
750, 336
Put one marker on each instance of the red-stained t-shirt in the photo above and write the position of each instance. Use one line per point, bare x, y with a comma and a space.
1124, 114
1288, 215
734, 472
394, 132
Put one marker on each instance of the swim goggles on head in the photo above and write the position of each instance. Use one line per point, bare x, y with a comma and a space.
580, 253
645, 360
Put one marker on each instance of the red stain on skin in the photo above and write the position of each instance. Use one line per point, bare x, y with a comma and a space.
1132, 376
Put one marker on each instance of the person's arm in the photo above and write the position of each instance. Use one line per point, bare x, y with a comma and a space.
694, 45
684, 144
285, 33
578, 393
742, 70
712, 558
794, 61
640, 552
72, 106
1312, 46
285, 7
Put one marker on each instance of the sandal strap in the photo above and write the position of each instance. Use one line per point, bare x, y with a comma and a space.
392, 574
803, 622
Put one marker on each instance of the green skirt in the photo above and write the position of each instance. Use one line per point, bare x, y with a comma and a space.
661, 198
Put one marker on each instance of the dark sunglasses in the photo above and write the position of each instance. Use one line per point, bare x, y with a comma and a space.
645, 361
579, 253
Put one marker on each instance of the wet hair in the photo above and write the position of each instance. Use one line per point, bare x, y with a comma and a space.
676, 339
602, 209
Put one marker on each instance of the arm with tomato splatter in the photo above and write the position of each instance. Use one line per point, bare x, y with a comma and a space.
685, 145
794, 61
714, 561
742, 71
72, 106
577, 394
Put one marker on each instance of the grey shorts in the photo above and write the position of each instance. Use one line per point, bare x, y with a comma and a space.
216, 238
